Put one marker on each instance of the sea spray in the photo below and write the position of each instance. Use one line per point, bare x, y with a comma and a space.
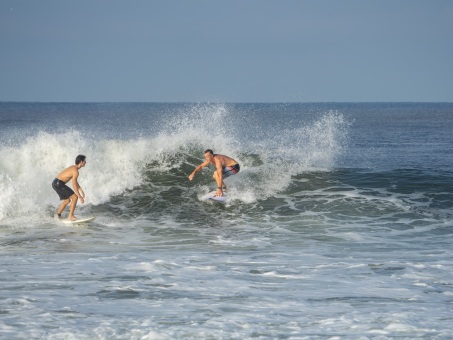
277, 154
311, 147
268, 161
29, 168
338, 249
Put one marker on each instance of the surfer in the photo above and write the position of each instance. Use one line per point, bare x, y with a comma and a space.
225, 167
66, 193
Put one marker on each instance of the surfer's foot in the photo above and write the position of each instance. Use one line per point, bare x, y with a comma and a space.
73, 218
57, 215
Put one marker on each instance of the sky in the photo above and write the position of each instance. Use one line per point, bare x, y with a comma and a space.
226, 51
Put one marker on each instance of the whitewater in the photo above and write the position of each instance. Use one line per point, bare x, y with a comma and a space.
338, 225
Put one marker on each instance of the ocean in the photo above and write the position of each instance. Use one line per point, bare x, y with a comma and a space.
338, 226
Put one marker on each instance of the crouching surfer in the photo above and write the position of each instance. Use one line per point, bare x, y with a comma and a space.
67, 195
225, 167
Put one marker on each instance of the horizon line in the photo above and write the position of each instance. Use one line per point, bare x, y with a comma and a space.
225, 102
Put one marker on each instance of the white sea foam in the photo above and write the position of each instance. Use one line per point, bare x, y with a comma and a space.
113, 165
332, 253
28, 170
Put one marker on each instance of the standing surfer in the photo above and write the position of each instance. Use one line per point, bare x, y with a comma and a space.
225, 167
66, 193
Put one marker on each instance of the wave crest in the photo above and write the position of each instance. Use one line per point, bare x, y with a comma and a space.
268, 153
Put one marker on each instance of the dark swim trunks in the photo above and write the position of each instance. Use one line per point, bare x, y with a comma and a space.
230, 170
62, 189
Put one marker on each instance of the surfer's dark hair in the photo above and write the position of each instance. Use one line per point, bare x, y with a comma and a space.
79, 158
210, 151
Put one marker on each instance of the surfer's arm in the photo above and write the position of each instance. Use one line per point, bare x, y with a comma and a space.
81, 191
77, 187
198, 168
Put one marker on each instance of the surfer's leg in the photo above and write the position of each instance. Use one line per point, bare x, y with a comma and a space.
74, 199
227, 172
215, 176
62, 206
223, 184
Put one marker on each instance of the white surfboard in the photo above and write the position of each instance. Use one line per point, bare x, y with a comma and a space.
213, 197
78, 221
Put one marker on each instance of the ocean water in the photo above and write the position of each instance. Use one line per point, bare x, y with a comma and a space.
339, 224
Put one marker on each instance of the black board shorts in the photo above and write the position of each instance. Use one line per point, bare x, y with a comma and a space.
62, 189
230, 170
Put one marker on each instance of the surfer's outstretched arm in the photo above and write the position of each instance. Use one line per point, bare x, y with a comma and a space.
198, 168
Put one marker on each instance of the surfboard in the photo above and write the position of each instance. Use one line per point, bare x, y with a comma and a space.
78, 221
211, 196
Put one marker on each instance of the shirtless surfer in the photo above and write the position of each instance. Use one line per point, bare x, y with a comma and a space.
67, 194
225, 167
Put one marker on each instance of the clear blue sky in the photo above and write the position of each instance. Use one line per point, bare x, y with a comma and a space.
226, 51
